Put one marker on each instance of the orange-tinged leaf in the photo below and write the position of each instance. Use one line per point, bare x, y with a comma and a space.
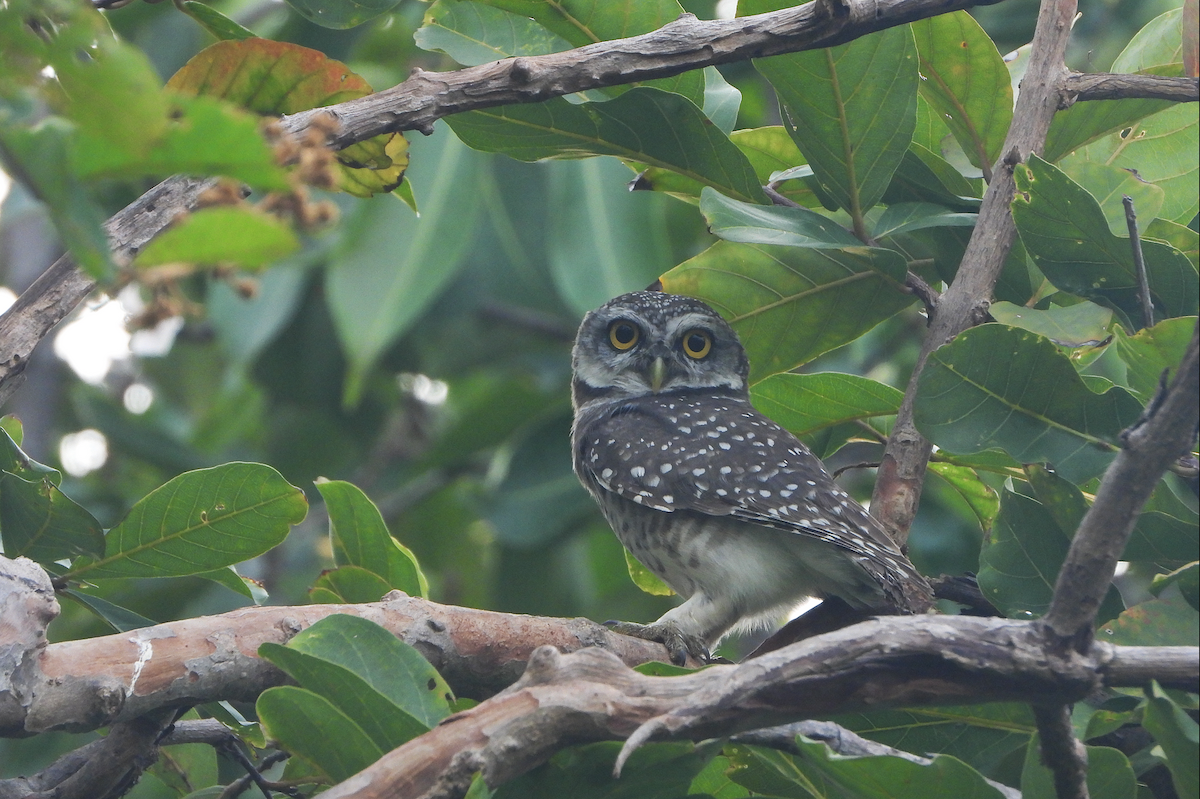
269, 77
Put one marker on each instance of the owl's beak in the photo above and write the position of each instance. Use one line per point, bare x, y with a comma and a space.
658, 374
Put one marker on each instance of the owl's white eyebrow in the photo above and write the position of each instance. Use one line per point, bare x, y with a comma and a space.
688, 321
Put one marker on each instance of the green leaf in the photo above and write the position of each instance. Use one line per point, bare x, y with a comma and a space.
199, 521
360, 537
121, 619
214, 21
721, 100
39, 521
12, 425
1109, 775
348, 585
1178, 735
646, 125
389, 265
979, 496
789, 304
204, 137
851, 110
750, 223
246, 586
926, 177
966, 82
1109, 185
1084, 324
382, 684
1186, 577
601, 241
645, 579
817, 771
1154, 50
998, 386
806, 404
1152, 351
476, 33
1169, 621
311, 726
1184, 239
341, 14
1162, 149
40, 158
1019, 563
903, 217
982, 735
241, 235
1067, 235
1165, 532
655, 771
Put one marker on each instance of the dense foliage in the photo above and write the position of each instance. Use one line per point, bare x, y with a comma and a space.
410, 341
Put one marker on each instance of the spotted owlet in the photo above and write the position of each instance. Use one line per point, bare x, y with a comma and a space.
724, 505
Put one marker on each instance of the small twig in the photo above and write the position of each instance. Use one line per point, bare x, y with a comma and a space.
928, 294
863, 465
778, 199
1135, 241
254, 774
1061, 752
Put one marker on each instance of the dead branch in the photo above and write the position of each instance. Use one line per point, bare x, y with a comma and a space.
1107, 86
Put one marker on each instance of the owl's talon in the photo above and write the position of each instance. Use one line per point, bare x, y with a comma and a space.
680, 645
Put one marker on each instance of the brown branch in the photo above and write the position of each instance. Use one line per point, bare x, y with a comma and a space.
1107, 86
683, 45
1139, 261
1061, 752
87, 684
882, 663
1165, 432
964, 304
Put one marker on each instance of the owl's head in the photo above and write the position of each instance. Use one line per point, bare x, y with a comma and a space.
649, 342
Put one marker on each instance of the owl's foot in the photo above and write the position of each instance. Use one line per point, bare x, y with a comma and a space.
681, 645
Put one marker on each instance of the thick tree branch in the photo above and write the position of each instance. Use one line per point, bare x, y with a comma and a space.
1061, 752
964, 304
1107, 86
590, 696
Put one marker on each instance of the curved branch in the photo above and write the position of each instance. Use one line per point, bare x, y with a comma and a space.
591, 696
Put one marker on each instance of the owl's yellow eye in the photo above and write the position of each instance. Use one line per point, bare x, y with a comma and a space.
623, 335
697, 343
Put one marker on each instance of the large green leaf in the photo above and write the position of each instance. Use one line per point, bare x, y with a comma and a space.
998, 386
1165, 532
790, 304
384, 685
1080, 325
601, 240
966, 82
1169, 621
228, 234
646, 125
806, 404
197, 522
852, 111
1110, 185
1019, 563
1178, 735
1152, 351
311, 726
819, 772
1163, 150
389, 264
360, 537
750, 223
1065, 231
1155, 50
